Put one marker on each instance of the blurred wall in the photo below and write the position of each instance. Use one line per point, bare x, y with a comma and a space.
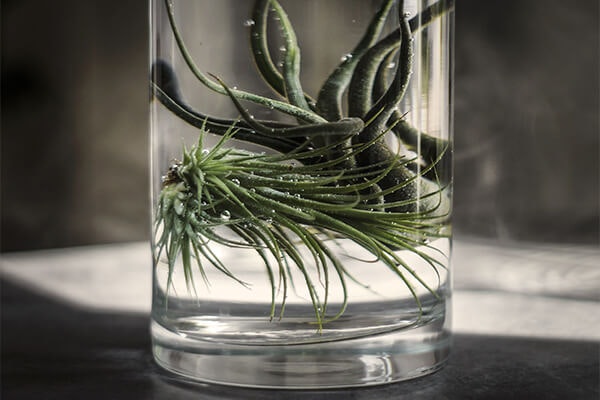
527, 134
74, 121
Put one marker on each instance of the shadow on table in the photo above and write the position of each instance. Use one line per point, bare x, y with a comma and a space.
55, 351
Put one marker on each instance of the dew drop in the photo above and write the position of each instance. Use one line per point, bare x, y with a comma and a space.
235, 181
346, 57
391, 65
225, 215
248, 23
282, 48
205, 152
178, 206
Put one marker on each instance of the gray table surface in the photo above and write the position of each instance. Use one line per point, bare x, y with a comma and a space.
526, 322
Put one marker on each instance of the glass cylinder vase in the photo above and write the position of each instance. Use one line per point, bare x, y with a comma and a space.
301, 190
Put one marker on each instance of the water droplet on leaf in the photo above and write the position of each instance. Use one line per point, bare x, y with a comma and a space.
178, 206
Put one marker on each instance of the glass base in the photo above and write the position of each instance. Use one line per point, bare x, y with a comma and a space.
373, 360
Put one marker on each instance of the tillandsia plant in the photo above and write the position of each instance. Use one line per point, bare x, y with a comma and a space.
330, 175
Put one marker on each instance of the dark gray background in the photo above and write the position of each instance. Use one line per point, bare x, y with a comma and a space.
74, 121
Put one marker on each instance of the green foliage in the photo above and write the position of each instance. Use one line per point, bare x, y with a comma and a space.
329, 177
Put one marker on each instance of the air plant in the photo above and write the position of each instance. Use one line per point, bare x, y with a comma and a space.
329, 175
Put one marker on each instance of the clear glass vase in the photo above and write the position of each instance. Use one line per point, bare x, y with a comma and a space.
301, 190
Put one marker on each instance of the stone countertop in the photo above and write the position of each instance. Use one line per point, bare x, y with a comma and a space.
526, 320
